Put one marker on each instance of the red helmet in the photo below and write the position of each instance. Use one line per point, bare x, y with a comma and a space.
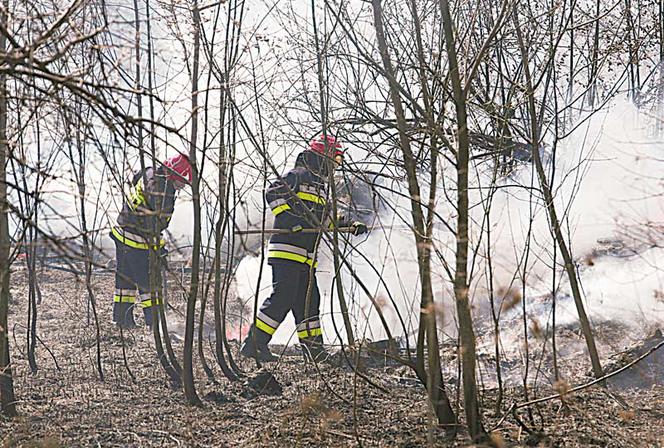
179, 168
318, 145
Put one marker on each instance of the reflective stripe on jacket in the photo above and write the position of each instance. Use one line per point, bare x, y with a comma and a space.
149, 206
298, 200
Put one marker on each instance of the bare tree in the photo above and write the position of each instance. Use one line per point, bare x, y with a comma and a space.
188, 374
433, 374
7, 399
535, 138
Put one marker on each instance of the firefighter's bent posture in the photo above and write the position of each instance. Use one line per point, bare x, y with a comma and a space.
146, 213
298, 201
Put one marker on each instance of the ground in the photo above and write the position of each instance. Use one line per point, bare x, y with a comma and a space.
67, 404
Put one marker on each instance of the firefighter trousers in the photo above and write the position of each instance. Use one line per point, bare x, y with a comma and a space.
132, 273
291, 284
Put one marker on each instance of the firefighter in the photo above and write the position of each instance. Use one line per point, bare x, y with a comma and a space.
298, 201
146, 212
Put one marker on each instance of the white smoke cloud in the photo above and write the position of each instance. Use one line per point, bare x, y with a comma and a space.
608, 185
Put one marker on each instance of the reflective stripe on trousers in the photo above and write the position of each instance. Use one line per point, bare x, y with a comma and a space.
147, 302
291, 284
309, 329
133, 240
124, 295
290, 252
266, 323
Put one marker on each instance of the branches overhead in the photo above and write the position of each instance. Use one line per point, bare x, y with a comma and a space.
454, 117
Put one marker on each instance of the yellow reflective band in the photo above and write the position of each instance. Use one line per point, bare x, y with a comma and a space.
135, 244
124, 299
148, 303
265, 327
309, 333
311, 198
136, 197
291, 256
280, 209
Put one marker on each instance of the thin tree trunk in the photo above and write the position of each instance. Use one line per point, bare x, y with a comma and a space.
32, 285
87, 246
188, 367
554, 300
495, 313
551, 209
433, 380
631, 47
201, 333
171, 367
660, 88
28, 206
461, 285
7, 400
219, 315
660, 29
592, 91
157, 273
333, 192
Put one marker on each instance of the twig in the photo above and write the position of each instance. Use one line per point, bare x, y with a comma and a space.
503, 418
592, 383
512, 409
340, 434
288, 231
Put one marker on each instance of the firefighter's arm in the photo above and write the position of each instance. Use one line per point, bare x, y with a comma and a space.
355, 227
165, 203
160, 205
279, 196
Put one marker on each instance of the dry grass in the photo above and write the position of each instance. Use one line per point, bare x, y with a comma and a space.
73, 408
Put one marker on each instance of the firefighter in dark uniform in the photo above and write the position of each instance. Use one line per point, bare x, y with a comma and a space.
291, 254
144, 216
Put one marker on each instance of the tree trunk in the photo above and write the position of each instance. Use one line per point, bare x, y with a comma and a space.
188, 367
167, 358
551, 209
87, 244
466, 332
592, 78
220, 227
7, 400
437, 396
333, 191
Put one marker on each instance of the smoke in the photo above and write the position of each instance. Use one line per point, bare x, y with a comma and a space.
608, 187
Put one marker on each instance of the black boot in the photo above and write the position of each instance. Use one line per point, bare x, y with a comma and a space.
262, 354
313, 349
117, 312
129, 316
147, 314
123, 315
256, 347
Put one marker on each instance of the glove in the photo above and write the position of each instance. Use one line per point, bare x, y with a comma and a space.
358, 228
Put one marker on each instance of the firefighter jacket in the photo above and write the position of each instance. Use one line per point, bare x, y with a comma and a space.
299, 201
147, 210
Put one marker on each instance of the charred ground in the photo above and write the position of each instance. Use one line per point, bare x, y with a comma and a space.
65, 403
